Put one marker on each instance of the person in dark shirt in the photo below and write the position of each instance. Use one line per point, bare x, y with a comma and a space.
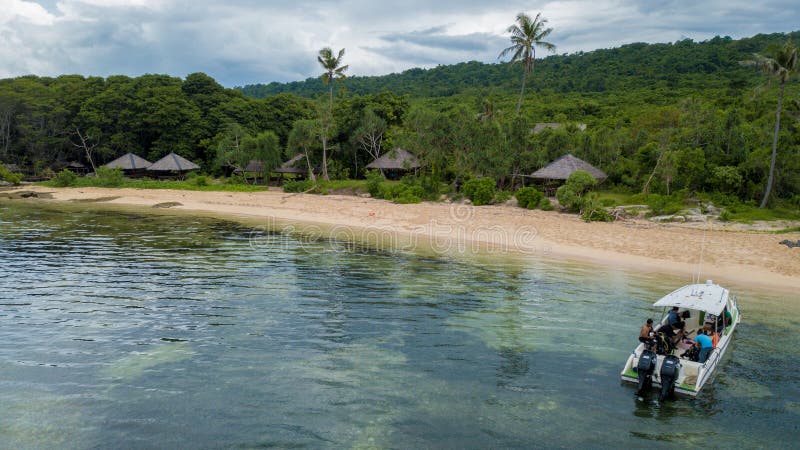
673, 317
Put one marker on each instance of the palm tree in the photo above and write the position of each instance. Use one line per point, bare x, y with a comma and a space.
526, 35
781, 67
333, 70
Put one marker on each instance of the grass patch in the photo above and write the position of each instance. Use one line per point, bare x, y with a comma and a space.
788, 230
144, 183
750, 214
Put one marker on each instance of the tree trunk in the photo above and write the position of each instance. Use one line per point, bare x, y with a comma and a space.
771, 177
325, 157
310, 169
330, 81
522, 91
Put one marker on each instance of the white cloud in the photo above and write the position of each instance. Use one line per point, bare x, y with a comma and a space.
249, 41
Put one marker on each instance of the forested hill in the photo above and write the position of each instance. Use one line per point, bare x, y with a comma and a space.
683, 64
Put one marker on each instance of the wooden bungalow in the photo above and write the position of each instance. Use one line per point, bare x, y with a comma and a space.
77, 168
131, 165
171, 166
395, 163
254, 169
557, 172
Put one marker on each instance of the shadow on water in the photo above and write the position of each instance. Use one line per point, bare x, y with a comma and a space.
167, 331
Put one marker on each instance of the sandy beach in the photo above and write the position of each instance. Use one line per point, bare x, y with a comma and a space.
744, 258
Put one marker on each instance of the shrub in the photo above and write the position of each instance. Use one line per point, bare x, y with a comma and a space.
65, 178
529, 197
571, 194
236, 179
661, 205
545, 204
502, 196
403, 193
480, 190
107, 177
374, 181
9, 176
201, 180
297, 185
725, 215
568, 198
581, 181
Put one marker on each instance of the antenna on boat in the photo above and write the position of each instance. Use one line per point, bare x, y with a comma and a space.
700, 262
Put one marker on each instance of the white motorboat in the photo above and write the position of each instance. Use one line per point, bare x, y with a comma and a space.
672, 368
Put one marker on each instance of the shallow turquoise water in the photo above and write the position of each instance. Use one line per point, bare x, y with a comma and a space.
137, 331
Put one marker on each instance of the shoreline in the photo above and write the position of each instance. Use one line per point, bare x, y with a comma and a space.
743, 258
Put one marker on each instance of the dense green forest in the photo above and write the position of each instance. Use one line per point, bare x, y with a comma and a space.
682, 117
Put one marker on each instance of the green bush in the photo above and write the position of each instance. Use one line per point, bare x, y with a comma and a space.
9, 176
569, 199
529, 197
297, 185
545, 204
725, 215
662, 205
374, 181
502, 196
480, 190
201, 180
65, 178
107, 177
236, 180
571, 194
403, 193
581, 181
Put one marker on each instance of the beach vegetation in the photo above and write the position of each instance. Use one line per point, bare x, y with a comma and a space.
106, 177
529, 197
9, 176
65, 178
480, 191
659, 119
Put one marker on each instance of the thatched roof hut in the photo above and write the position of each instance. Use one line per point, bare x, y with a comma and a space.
397, 159
295, 165
129, 161
539, 127
172, 163
564, 166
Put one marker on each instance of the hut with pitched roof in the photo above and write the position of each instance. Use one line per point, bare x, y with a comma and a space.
395, 163
557, 172
131, 165
172, 166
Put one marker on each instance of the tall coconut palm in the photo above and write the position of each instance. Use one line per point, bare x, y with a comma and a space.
782, 66
333, 69
526, 35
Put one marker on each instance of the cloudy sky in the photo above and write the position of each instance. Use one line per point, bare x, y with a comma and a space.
250, 41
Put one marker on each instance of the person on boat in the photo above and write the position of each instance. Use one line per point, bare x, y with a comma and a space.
705, 345
680, 332
673, 317
646, 332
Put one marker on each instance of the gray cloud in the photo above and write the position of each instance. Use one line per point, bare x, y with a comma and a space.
249, 41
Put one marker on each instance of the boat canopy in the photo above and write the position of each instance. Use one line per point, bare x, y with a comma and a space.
708, 297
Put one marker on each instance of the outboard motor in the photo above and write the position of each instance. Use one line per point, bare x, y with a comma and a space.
645, 369
670, 368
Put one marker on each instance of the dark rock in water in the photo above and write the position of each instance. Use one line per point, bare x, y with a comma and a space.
790, 244
29, 195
